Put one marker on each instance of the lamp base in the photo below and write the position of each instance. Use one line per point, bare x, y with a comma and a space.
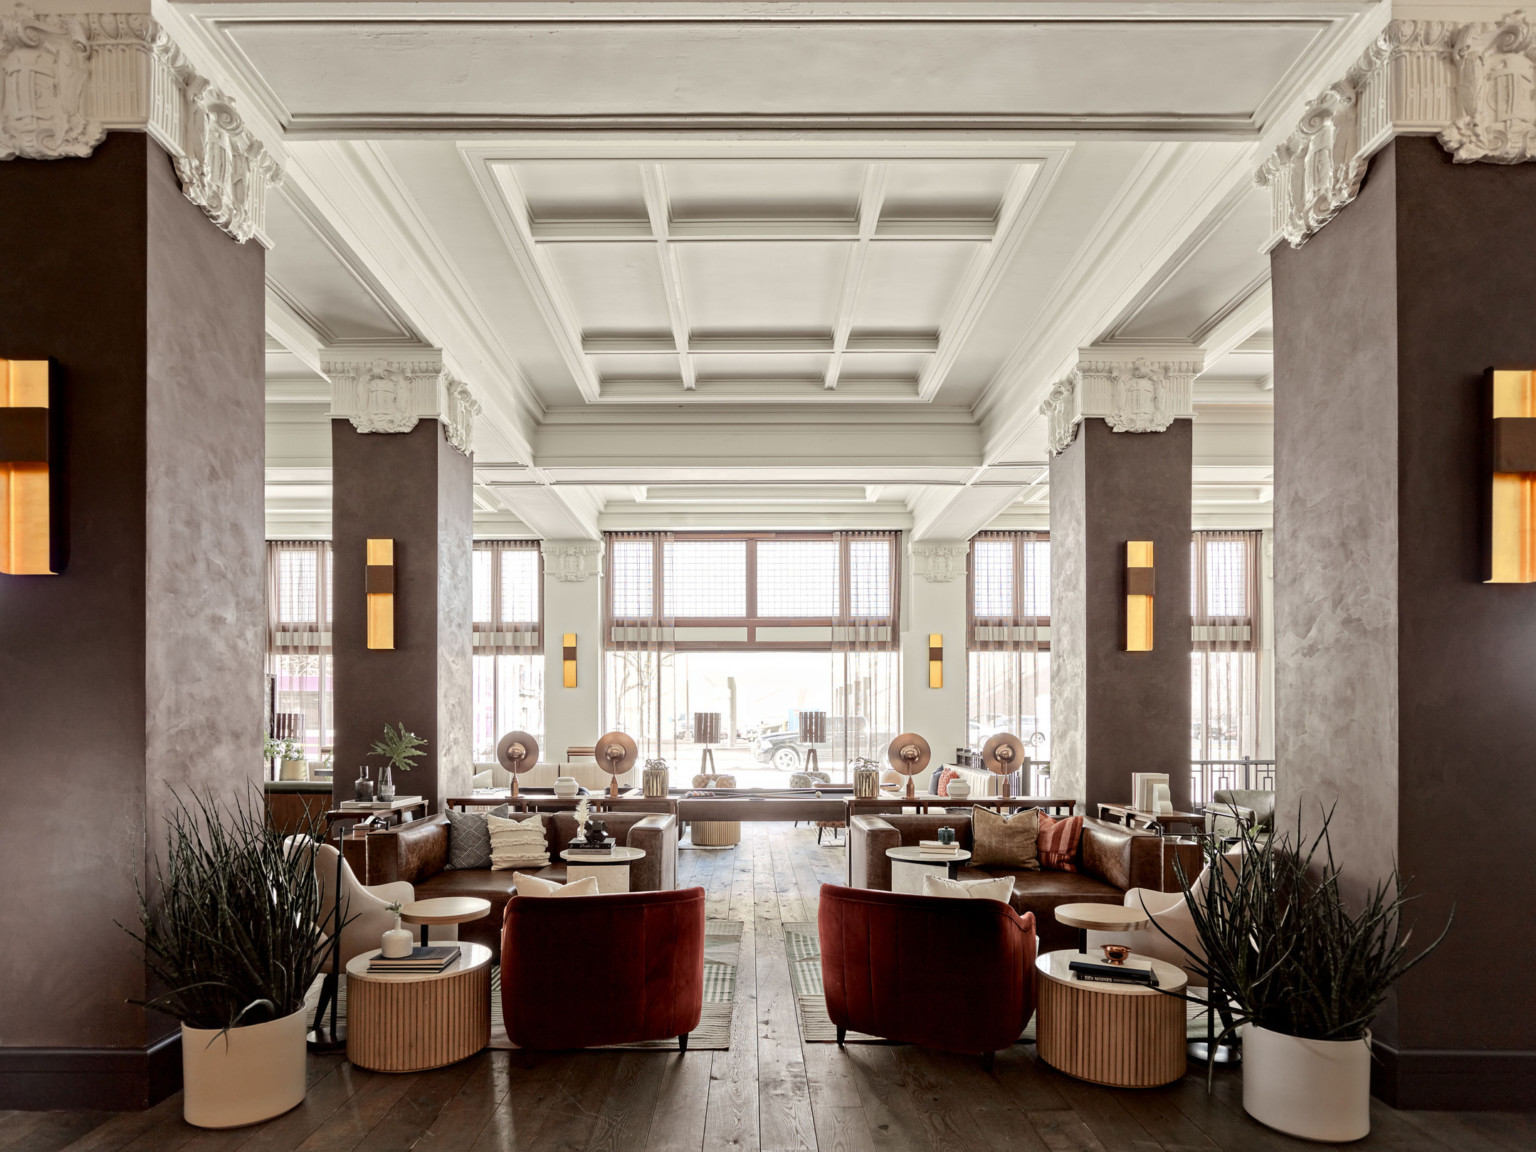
322, 1041
1225, 1053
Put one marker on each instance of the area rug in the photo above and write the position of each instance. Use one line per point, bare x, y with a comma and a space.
722, 947
802, 945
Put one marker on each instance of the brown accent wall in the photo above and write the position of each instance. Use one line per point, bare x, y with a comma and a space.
1406, 688
416, 489
1115, 712
140, 667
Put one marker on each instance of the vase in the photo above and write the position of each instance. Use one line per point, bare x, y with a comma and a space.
386, 784
866, 782
242, 1075
958, 789
362, 787
565, 787
397, 942
1315, 1089
655, 782
293, 770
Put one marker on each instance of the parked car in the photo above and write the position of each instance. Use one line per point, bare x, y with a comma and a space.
783, 749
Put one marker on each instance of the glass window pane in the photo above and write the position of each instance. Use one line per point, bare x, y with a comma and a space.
797, 578
296, 586
1226, 581
1037, 577
869, 578
482, 584
705, 578
520, 586
632, 578
993, 578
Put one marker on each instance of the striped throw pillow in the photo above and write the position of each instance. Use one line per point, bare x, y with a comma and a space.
517, 843
1057, 842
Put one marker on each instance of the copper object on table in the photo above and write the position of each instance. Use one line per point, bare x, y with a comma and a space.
1004, 754
909, 754
1116, 953
617, 753
517, 752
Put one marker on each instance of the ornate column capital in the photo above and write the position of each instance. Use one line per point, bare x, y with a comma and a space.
1133, 389
67, 79
939, 562
391, 389
573, 561
1472, 85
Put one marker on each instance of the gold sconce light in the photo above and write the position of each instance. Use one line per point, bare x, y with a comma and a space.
381, 593
568, 644
935, 660
1140, 587
1512, 528
32, 537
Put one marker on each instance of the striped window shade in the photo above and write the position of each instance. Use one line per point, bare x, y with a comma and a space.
299, 584
508, 597
1224, 591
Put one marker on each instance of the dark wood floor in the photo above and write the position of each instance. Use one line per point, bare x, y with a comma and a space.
768, 1092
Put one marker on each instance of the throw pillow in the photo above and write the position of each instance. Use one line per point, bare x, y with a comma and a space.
999, 841
469, 840
992, 888
528, 885
945, 777
517, 843
1058, 841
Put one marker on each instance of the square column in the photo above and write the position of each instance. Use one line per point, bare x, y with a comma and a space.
1121, 472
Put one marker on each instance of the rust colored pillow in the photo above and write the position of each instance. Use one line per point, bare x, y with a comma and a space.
1057, 842
945, 776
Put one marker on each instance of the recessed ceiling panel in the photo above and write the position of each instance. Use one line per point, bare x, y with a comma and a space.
613, 287
882, 366
755, 367
803, 190
735, 287
580, 190
911, 286
967, 190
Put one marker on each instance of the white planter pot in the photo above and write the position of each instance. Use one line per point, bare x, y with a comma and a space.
294, 770
958, 790
242, 1076
1315, 1089
566, 786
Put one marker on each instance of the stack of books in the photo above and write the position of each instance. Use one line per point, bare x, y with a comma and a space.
603, 849
423, 960
1133, 971
935, 848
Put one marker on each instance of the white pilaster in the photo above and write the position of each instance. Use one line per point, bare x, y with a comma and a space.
573, 602
935, 580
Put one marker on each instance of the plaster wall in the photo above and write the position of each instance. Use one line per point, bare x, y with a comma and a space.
937, 714
573, 717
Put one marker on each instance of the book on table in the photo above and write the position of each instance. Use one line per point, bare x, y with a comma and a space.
937, 848
379, 805
433, 958
580, 849
1132, 971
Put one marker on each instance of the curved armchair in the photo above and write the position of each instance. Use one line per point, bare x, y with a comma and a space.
364, 911
1170, 912
879, 950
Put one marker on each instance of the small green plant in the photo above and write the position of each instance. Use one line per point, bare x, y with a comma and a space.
282, 749
394, 907
398, 748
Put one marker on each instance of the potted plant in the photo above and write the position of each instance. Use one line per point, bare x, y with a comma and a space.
399, 749
233, 937
1301, 972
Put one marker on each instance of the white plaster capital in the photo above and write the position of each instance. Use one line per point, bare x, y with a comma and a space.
939, 562
1132, 389
573, 561
67, 79
391, 389
1472, 85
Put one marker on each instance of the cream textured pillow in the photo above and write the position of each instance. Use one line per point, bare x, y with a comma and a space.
517, 843
537, 886
992, 888
999, 841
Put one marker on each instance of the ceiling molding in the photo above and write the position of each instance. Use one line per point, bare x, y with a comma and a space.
1229, 330
293, 329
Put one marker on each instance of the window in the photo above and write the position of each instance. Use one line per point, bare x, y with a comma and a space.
1008, 640
508, 666
300, 683
1224, 665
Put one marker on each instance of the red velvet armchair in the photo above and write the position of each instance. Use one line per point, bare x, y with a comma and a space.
583, 971
880, 953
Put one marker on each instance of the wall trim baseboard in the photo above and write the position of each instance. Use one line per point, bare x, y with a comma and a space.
98, 1079
1454, 1080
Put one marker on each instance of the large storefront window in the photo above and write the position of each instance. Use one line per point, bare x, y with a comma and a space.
1008, 688
508, 644
301, 690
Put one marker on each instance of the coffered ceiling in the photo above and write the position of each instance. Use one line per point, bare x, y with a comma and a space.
750, 265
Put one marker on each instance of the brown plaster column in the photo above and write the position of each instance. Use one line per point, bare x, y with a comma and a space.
1406, 687
1113, 711
138, 669
400, 472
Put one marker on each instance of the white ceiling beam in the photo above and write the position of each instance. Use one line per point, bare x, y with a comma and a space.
950, 514
553, 514
1253, 314
871, 200
748, 343
658, 207
906, 229
293, 332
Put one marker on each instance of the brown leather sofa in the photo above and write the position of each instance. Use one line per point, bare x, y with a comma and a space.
1111, 859
417, 852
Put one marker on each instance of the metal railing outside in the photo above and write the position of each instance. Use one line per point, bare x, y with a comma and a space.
1211, 776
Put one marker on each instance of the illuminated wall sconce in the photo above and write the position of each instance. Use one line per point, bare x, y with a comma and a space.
1512, 556
935, 660
32, 537
1140, 586
381, 593
569, 655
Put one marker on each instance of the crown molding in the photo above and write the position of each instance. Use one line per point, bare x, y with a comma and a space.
1469, 84
1130, 389
391, 390
70, 78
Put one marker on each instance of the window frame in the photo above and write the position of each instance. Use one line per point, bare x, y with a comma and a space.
1041, 624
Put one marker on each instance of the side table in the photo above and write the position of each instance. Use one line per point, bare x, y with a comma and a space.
409, 1022
444, 910
611, 872
910, 865
1122, 1035
1100, 918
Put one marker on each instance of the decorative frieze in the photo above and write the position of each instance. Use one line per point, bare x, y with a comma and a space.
1131, 390
66, 80
1471, 85
573, 561
390, 390
939, 563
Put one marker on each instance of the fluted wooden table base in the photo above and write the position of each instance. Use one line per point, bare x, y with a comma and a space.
715, 833
1108, 1034
409, 1025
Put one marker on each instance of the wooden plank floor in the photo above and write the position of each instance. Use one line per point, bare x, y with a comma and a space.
769, 1092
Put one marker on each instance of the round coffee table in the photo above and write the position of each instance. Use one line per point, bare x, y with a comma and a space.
1122, 1035
611, 872
444, 910
1100, 918
910, 865
411, 1021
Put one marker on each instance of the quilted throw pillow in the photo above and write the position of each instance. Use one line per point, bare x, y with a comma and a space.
517, 843
1058, 841
469, 840
999, 841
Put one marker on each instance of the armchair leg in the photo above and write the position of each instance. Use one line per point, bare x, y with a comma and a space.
682, 1042
841, 1032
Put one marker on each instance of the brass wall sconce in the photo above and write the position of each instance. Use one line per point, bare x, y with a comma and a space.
32, 537
935, 660
1140, 587
568, 644
1512, 527
381, 594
